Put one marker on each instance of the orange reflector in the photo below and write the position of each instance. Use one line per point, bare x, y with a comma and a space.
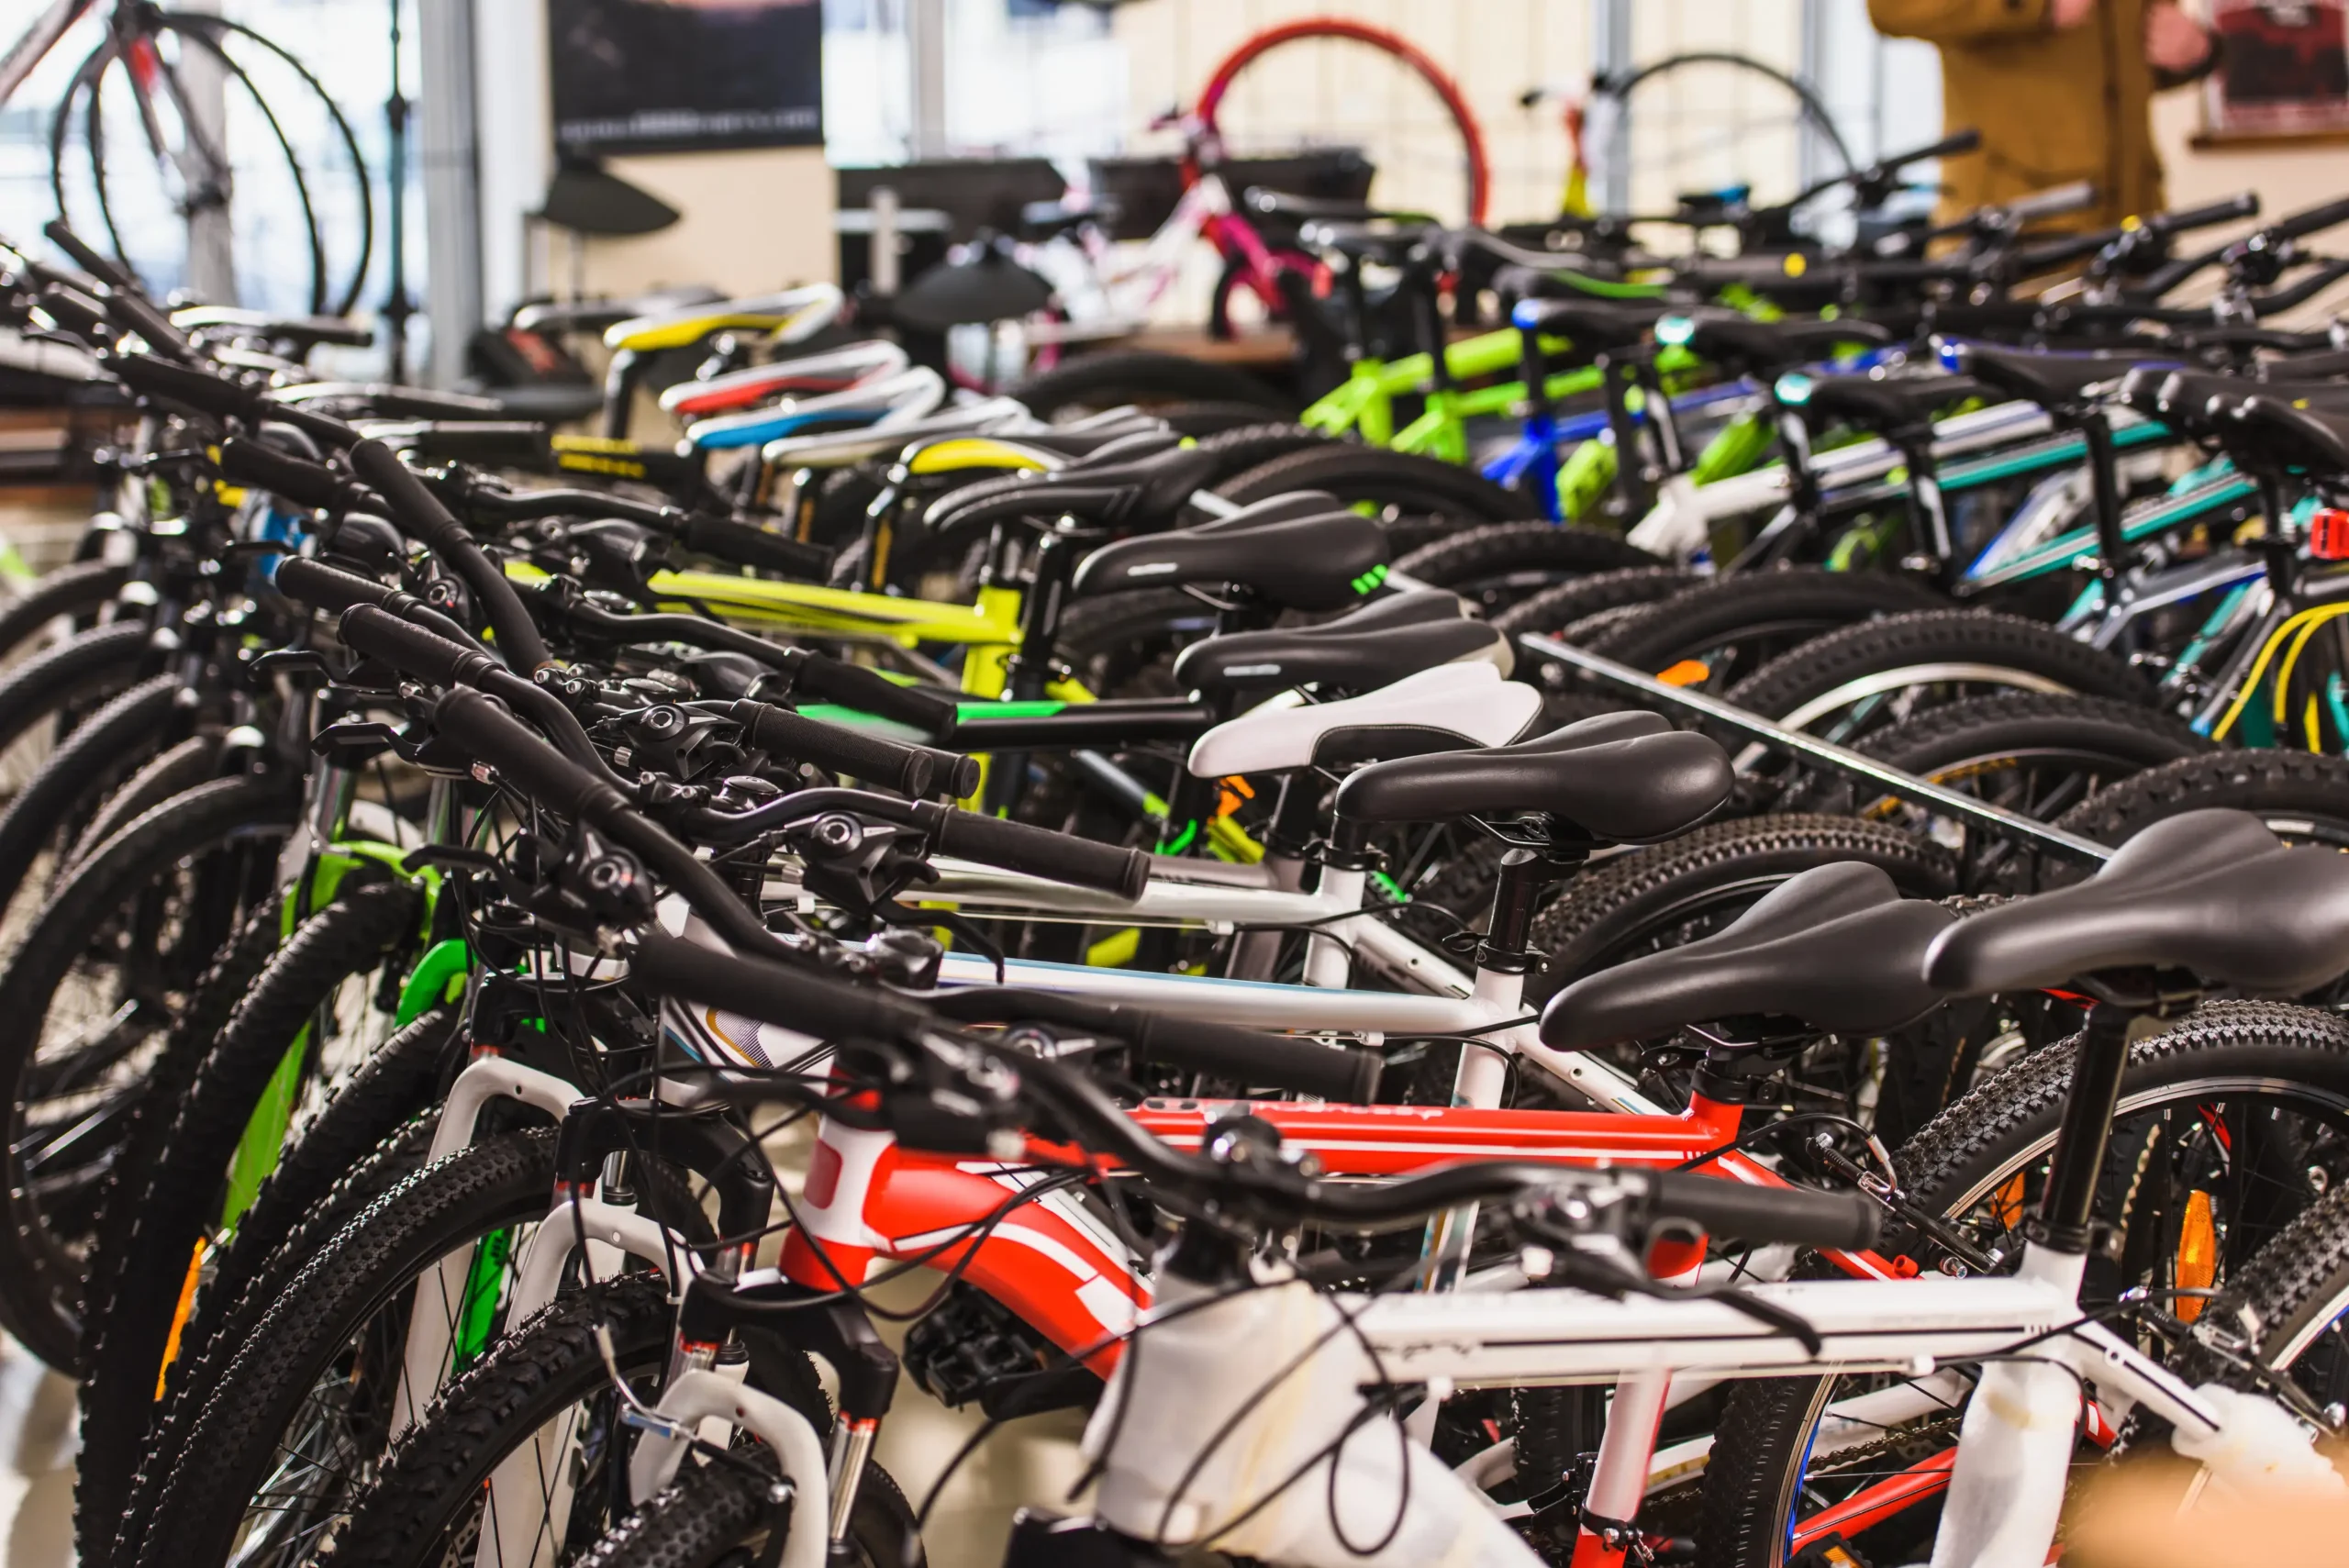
2198, 1255
180, 1314
2008, 1205
1687, 673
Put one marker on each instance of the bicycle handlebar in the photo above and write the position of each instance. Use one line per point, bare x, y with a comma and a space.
892, 764
256, 462
419, 512
1036, 851
1348, 1074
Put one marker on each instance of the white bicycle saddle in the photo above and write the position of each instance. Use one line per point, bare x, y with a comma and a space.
832, 371
840, 448
1448, 708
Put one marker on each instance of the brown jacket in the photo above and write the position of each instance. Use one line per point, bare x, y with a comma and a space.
2052, 107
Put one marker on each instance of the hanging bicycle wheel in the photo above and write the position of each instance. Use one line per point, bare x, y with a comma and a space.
1701, 124
1330, 87
211, 161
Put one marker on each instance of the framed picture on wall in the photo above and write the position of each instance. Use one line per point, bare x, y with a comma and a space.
2283, 71
686, 76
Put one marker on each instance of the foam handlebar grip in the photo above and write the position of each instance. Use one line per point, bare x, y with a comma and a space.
383, 636
2053, 201
483, 729
418, 511
1348, 1073
852, 685
263, 466
87, 256
812, 1004
1036, 852
415, 507
134, 312
324, 587
746, 544
2244, 204
1799, 1216
837, 748
196, 389
2316, 219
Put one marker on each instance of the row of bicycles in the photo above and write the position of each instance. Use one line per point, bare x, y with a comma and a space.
1793, 1029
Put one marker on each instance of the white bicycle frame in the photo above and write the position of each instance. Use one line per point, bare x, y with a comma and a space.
1442, 1000
1104, 301
1191, 1437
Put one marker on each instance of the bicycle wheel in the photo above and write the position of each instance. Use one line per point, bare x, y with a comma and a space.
1706, 121
43, 695
213, 161
544, 1384
2039, 753
111, 961
303, 1408
2231, 1125
316, 996
1327, 81
1499, 566
719, 1514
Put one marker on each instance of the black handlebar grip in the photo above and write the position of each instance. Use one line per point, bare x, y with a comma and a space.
746, 544
2300, 225
1036, 852
852, 685
502, 443
835, 748
328, 589
419, 511
1799, 1216
413, 505
2055, 200
380, 635
812, 1004
2243, 203
483, 729
196, 389
1348, 1074
74, 311
1950, 146
263, 466
135, 312
95, 262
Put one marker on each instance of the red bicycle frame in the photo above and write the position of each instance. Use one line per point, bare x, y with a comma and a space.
1066, 1275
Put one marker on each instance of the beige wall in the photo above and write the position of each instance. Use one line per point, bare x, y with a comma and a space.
753, 221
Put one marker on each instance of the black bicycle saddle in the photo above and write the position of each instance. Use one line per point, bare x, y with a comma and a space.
1379, 643
1621, 778
1320, 561
2275, 429
2212, 892
1743, 346
1591, 326
1836, 948
1142, 491
2051, 381
1887, 404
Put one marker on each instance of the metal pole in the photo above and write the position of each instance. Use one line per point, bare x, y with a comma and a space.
1842, 759
397, 308
446, 138
211, 222
1610, 51
926, 59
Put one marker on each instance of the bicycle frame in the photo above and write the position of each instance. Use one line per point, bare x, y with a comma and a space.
1174, 1400
36, 41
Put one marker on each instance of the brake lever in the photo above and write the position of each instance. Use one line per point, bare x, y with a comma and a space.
463, 857
291, 663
